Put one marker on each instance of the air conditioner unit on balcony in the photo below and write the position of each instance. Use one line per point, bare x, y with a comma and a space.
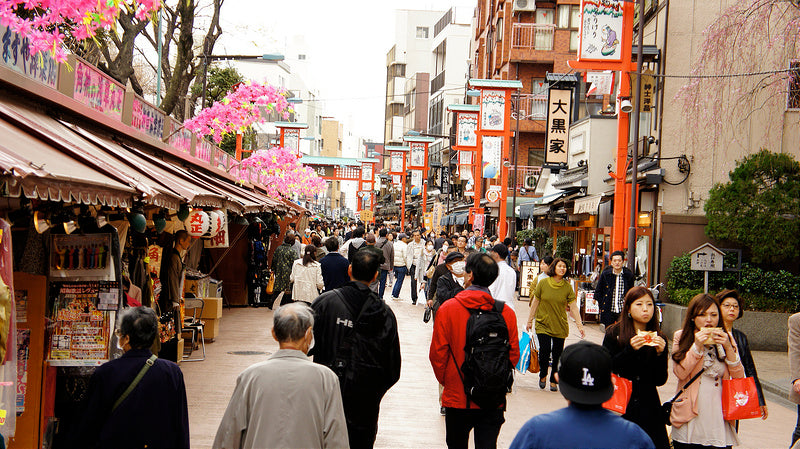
524, 5
530, 182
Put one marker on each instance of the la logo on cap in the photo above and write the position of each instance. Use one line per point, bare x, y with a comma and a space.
587, 379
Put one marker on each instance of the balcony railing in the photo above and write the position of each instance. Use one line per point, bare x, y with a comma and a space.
526, 177
532, 107
532, 36
437, 83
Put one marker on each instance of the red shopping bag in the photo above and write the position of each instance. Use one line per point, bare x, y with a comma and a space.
622, 395
740, 399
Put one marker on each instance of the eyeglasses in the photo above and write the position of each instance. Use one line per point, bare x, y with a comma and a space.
731, 306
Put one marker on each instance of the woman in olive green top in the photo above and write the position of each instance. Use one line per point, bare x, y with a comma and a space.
550, 299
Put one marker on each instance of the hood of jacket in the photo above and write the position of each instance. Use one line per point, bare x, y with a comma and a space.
475, 298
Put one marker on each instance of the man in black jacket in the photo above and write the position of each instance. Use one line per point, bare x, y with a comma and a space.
356, 336
333, 266
614, 283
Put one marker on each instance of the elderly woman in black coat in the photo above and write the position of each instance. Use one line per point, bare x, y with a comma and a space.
448, 285
154, 413
639, 354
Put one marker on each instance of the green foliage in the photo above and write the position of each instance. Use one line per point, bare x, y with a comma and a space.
774, 291
682, 296
759, 208
563, 250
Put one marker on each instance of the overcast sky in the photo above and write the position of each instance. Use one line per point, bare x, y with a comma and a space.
346, 40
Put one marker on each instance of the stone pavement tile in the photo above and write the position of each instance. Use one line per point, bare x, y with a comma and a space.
410, 411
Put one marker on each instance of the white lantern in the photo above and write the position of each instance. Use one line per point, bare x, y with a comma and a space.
217, 221
197, 223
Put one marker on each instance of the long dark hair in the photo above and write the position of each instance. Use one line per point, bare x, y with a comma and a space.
697, 306
624, 328
309, 254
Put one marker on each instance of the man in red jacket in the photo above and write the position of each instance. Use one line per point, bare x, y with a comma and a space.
447, 353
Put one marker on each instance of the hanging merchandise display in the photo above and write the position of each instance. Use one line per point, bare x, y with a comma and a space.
197, 223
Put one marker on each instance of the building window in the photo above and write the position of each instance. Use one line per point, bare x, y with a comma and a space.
545, 16
301, 57
499, 29
569, 18
422, 32
794, 86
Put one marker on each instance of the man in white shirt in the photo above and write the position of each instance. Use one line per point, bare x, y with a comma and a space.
504, 287
288, 388
414, 256
400, 261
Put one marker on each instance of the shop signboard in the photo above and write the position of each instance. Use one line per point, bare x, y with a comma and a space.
493, 193
648, 91
397, 162
366, 172
365, 215
416, 182
591, 305
601, 30
438, 210
558, 121
417, 158
492, 155
147, 118
444, 179
291, 140
467, 126
221, 239
528, 272
81, 322
478, 222
493, 110
16, 55
601, 83
98, 90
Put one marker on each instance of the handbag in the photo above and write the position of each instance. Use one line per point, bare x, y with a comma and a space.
427, 315
533, 367
524, 352
270, 284
431, 266
740, 399
622, 395
666, 408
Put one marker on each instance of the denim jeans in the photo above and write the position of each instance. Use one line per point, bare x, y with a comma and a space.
399, 275
382, 282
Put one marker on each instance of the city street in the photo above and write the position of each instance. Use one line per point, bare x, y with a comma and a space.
410, 411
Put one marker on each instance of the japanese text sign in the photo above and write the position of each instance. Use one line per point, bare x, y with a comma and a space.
467, 125
493, 110
98, 90
557, 126
417, 155
17, 55
291, 140
706, 258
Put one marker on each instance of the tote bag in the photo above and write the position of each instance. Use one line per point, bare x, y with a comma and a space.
524, 352
622, 395
740, 399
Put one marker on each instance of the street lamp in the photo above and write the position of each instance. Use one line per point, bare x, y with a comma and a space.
272, 57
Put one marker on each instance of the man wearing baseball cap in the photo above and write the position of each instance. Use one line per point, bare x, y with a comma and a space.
585, 382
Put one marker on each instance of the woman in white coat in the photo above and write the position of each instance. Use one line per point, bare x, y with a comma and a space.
306, 276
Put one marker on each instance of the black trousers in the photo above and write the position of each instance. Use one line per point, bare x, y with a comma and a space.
459, 422
607, 317
413, 284
549, 345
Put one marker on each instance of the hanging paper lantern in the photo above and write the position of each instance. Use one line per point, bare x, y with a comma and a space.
160, 223
183, 213
197, 223
138, 222
217, 221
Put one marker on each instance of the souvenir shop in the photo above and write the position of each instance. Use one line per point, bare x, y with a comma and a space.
91, 194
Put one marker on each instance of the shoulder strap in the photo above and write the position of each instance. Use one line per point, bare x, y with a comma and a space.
691, 381
498, 306
147, 364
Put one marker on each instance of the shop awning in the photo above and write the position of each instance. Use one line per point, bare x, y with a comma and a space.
587, 205
461, 219
44, 172
520, 203
253, 201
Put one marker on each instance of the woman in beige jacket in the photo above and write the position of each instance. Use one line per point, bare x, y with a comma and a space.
702, 344
307, 276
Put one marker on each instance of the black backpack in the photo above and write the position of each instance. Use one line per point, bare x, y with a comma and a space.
487, 372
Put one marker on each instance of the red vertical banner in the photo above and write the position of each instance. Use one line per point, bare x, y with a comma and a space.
418, 166
397, 169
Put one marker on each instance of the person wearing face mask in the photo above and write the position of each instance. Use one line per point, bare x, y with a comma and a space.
441, 269
428, 260
289, 389
119, 411
451, 283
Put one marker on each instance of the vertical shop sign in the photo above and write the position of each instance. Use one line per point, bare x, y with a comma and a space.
467, 125
397, 162
417, 155
492, 154
444, 179
493, 110
558, 126
23, 353
601, 30
291, 140
648, 90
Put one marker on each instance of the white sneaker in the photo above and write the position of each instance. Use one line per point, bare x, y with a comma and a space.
602, 328
395, 299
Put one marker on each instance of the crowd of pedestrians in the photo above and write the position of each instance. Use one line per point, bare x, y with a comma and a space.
340, 352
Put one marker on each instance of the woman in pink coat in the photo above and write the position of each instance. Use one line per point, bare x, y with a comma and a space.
703, 344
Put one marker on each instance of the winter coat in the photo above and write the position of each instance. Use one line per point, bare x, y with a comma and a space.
388, 252
604, 292
446, 288
400, 249
449, 338
307, 280
647, 370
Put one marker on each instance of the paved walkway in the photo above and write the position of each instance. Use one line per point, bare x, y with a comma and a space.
410, 411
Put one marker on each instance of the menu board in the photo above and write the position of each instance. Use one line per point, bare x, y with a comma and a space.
81, 316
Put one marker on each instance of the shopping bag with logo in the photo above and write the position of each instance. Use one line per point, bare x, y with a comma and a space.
622, 395
740, 399
524, 352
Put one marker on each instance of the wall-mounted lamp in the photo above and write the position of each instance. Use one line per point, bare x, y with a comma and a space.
626, 106
40, 223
